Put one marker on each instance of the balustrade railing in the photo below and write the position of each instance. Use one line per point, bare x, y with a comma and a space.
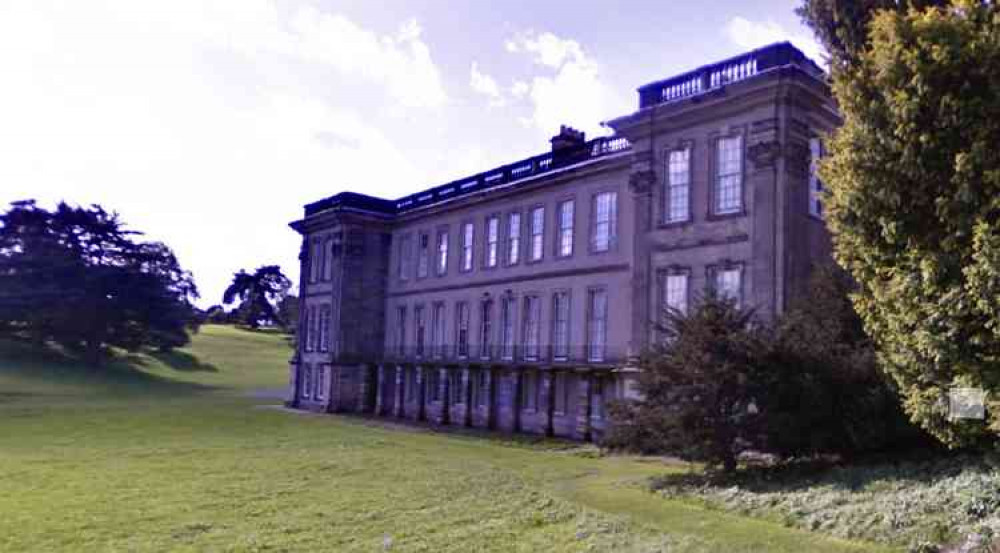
503, 354
719, 74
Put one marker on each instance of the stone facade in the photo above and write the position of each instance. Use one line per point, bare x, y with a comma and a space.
518, 299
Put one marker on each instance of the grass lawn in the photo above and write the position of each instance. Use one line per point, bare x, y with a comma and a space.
174, 452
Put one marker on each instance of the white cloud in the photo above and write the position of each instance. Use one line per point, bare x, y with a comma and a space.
749, 34
486, 85
574, 94
519, 89
206, 124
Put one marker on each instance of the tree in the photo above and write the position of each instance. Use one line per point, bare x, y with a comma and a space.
825, 393
258, 293
288, 312
76, 276
914, 177
802, 384
699, 386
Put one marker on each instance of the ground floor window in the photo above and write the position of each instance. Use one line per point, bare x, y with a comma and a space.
305, 373
320, 381
481, 389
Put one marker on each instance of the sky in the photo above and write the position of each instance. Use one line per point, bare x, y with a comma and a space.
209, 124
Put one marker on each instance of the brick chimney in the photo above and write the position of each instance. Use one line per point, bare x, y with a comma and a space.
568, 144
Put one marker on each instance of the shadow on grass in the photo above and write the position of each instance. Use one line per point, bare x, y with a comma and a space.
183, 361
916, 467
48, 370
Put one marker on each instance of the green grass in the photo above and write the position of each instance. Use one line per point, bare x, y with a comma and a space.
155, 453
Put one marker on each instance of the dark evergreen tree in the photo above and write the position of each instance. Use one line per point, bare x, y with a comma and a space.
78, 277
258, 294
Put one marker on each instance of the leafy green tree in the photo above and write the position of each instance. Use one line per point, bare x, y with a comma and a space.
258, 294
77, 276
914, 180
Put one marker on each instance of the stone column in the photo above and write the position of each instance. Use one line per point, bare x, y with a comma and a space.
332, 387
583, 405
399, 397
467, 397
445, 386
548, 400
292, 399
366, 386
421, 395
380, 390
491, 399
518, 382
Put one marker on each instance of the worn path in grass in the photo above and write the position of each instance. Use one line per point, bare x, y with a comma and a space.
170, 453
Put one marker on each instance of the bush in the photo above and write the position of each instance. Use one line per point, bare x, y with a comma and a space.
720, 382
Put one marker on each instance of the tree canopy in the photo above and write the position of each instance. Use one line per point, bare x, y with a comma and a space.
76, 276
258, 293
914, 202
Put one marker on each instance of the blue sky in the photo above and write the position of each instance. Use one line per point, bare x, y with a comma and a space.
208, 124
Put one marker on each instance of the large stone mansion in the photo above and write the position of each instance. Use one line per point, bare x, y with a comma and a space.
519, 298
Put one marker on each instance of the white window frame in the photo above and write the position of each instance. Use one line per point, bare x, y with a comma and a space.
423, 254
468, 246
729, 282
462, 324
597, 324
604, 230
675, 290
561, 325
532, 327
492, 241
537, 234
513, 238
442, 252
567, 222
728, 191
677, 193
508, 327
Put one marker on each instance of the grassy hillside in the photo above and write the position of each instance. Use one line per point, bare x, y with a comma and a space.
172, 453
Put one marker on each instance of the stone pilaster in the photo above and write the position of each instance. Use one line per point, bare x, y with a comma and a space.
399, 397
380, 382
366, 389
421, 395
467, 397
444, 385
292, 398
491, 399
583, 405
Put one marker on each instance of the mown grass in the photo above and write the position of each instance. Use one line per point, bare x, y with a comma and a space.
173, 453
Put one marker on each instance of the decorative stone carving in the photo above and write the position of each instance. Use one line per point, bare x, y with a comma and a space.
764, 154
641, 182
797, 156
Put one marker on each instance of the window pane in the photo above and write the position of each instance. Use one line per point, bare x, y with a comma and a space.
729, 181
597, 327
566, 228
675, 293
468, 234
605, 215
678, 185
513, 238
442, 251
537, 233
492, 236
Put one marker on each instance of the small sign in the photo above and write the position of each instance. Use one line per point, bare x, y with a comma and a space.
967, 403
